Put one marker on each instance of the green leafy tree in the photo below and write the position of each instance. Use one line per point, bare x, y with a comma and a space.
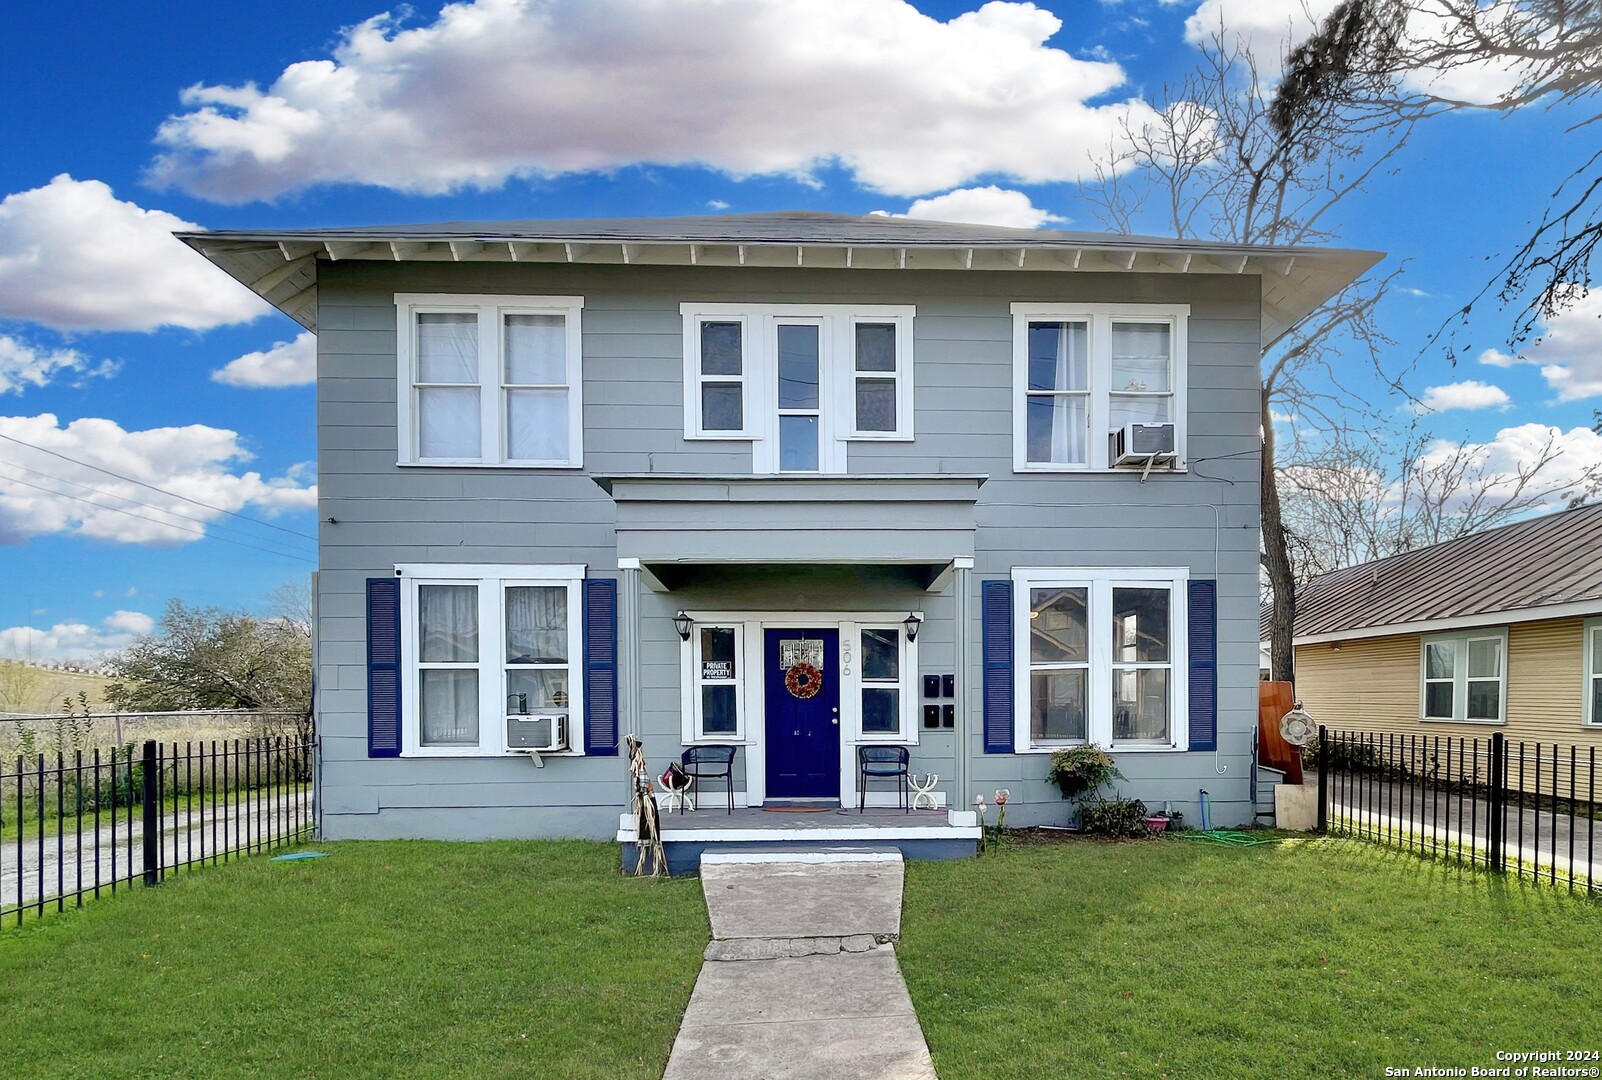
208, 658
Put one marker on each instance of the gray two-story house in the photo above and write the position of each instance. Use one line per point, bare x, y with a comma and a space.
794, 483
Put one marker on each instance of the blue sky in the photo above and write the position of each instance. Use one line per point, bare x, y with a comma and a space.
156, 429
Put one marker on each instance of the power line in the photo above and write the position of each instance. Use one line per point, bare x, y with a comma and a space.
153, 487
154, 521
215, 528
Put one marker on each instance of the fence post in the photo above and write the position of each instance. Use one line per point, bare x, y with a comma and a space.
1323, 780
149, 803
1493, 853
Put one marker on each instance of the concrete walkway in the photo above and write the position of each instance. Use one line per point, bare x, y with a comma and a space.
800, 979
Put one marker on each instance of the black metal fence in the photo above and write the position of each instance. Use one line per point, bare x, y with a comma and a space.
1523, 808
76, 825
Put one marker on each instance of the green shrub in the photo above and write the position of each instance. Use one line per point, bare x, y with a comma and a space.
1124, 818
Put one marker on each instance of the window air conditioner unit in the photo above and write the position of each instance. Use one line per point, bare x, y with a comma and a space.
1143, 444
540, 732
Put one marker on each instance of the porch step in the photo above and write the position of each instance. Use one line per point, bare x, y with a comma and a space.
800, 853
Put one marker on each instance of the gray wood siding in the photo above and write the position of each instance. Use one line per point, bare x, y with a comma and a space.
633, 421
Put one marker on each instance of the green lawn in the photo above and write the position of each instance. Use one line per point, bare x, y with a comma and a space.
1181, 959
406, 959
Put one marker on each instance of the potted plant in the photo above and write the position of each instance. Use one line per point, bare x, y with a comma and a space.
1080, 770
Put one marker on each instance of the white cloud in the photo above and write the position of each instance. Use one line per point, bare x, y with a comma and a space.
23, 365
288, 363
75, 640
1568, 350
1469, 394
74, 257
497, 89
193, 462
1265, 27
1578, 454
717, 204
982, 206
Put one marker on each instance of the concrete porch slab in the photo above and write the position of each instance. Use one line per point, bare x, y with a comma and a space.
804, 900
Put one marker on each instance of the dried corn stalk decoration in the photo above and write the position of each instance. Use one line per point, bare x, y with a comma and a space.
652, 859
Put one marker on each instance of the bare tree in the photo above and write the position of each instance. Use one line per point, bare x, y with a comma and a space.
1214, 165
1389, 64
1361, 496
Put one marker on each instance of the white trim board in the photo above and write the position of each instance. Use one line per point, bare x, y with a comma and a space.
1459, 622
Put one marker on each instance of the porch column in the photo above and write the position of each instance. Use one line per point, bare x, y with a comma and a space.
628, 643
962, 570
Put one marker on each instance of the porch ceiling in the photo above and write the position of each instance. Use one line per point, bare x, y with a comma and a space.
677, 526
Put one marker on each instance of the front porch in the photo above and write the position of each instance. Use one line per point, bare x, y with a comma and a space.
831, 834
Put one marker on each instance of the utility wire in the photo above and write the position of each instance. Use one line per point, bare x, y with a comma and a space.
154, 521
211, 526
153, 487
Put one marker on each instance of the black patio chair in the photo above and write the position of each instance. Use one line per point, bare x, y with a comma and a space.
710, 763
883, 763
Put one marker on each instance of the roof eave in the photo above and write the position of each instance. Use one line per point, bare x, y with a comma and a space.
281, 267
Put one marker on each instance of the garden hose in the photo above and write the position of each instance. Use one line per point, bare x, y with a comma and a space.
1232, 839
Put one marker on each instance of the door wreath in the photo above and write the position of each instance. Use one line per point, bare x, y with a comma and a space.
803, 680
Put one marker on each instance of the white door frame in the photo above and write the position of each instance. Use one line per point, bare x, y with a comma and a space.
754, 689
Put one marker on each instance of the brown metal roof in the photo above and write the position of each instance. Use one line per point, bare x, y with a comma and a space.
1545, 561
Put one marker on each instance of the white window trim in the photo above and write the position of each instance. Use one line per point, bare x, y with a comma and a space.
1460, 680
1099, 686
692, 732
491, 581
491, 310
1099, 318
837, 376
1588, 717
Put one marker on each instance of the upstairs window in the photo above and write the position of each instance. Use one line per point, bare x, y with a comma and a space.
1082, 372
799, 382
490, 380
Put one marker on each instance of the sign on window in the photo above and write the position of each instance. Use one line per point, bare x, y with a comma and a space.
717, 669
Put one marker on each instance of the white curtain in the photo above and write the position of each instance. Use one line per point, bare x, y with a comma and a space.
447, 347
449, 712
536, 350
447, 617
1068, 421
536, 624
536, 425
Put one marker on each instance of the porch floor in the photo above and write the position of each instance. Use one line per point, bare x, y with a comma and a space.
922, 834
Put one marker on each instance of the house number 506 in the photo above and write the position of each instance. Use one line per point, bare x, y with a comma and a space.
845, 657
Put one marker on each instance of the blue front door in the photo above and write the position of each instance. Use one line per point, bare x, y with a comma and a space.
803, 713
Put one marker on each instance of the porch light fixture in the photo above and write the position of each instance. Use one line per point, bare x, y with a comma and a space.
682, 623
912, 622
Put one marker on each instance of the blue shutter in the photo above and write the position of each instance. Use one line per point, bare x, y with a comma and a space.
383, 668
1203, 665
995, 604
600, 667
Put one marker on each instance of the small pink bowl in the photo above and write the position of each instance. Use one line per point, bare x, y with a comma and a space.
1157, 824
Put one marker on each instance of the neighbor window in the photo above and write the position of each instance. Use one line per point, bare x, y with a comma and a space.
1082, 372
797, 381
491, 656
490, 380
1592, 713
1463, 677
1097, 657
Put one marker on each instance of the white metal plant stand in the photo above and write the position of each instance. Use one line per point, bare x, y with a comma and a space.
924, 792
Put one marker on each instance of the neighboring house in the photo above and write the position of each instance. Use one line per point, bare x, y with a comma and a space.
871, 467
1499, 631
